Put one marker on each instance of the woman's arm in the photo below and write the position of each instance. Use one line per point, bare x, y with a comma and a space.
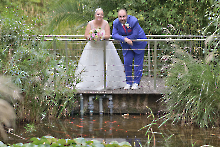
107, 32
88, 28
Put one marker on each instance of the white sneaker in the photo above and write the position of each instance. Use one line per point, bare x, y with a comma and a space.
134, 86
127, 86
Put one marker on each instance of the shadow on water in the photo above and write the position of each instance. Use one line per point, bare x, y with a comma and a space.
117, 127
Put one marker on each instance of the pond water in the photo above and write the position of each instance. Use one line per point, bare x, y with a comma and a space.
119, 128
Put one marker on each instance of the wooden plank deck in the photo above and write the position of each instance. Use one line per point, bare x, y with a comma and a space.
146, 87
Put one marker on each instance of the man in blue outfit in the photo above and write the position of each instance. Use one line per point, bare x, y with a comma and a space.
126, 28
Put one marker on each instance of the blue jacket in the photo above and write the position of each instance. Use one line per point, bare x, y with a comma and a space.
133, 32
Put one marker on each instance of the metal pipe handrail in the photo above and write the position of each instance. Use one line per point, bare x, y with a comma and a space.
149, 40
132, 39
190, 36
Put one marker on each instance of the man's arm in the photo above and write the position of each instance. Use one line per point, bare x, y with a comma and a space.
115, 34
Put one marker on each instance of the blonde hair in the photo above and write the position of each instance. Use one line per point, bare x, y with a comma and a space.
98, 10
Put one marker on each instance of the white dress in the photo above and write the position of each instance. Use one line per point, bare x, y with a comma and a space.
90, 68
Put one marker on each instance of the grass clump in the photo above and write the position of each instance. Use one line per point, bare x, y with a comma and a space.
192, 94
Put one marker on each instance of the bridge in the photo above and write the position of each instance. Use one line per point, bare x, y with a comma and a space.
152, 84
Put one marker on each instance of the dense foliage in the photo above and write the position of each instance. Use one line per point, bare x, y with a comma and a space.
44, 79
33, 67
192, 93
188, 16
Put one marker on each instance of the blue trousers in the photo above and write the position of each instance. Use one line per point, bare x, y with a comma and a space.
138, 66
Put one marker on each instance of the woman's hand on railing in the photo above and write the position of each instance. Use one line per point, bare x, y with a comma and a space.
87, 37
106, 37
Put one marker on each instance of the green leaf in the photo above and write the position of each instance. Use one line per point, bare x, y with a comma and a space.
35, 1
97, 143
124, 143
115, 14
114, 142
61, 141
34, 139
54, 145
142, 1
110, 24
71, 142
110, 14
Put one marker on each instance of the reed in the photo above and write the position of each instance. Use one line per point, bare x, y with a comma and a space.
192, 90
46, 82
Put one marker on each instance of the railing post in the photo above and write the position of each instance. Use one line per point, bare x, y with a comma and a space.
91, 124
191, 49
105, 66
100, 105
100, 122
110, 104
155, 63
148, 58
81, 105
54, 70
66, 60
91, 106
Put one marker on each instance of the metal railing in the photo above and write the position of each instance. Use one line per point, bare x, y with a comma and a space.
67, 38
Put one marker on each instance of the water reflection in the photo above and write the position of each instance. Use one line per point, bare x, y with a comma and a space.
120, 128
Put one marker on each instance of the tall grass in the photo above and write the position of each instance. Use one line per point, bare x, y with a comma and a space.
47, 84
192, 81
192, 94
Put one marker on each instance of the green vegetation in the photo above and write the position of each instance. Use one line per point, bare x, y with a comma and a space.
47, 83
192, 95
192, 90
192, 86
54, 142
44, 80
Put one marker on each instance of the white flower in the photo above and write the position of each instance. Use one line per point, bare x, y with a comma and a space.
98, 30
127, 25
91, 31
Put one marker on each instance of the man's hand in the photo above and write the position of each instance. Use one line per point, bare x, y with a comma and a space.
128, 41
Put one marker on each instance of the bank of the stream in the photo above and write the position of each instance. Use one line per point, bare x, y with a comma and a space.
127, 128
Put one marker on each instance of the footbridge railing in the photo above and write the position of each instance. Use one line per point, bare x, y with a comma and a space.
158, 46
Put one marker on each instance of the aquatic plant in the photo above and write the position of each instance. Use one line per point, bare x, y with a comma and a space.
52, 141
30, 127
151, 139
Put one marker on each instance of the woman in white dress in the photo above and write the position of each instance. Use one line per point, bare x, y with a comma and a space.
90, 68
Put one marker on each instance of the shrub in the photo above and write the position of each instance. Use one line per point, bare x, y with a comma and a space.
192, 94
44, 79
